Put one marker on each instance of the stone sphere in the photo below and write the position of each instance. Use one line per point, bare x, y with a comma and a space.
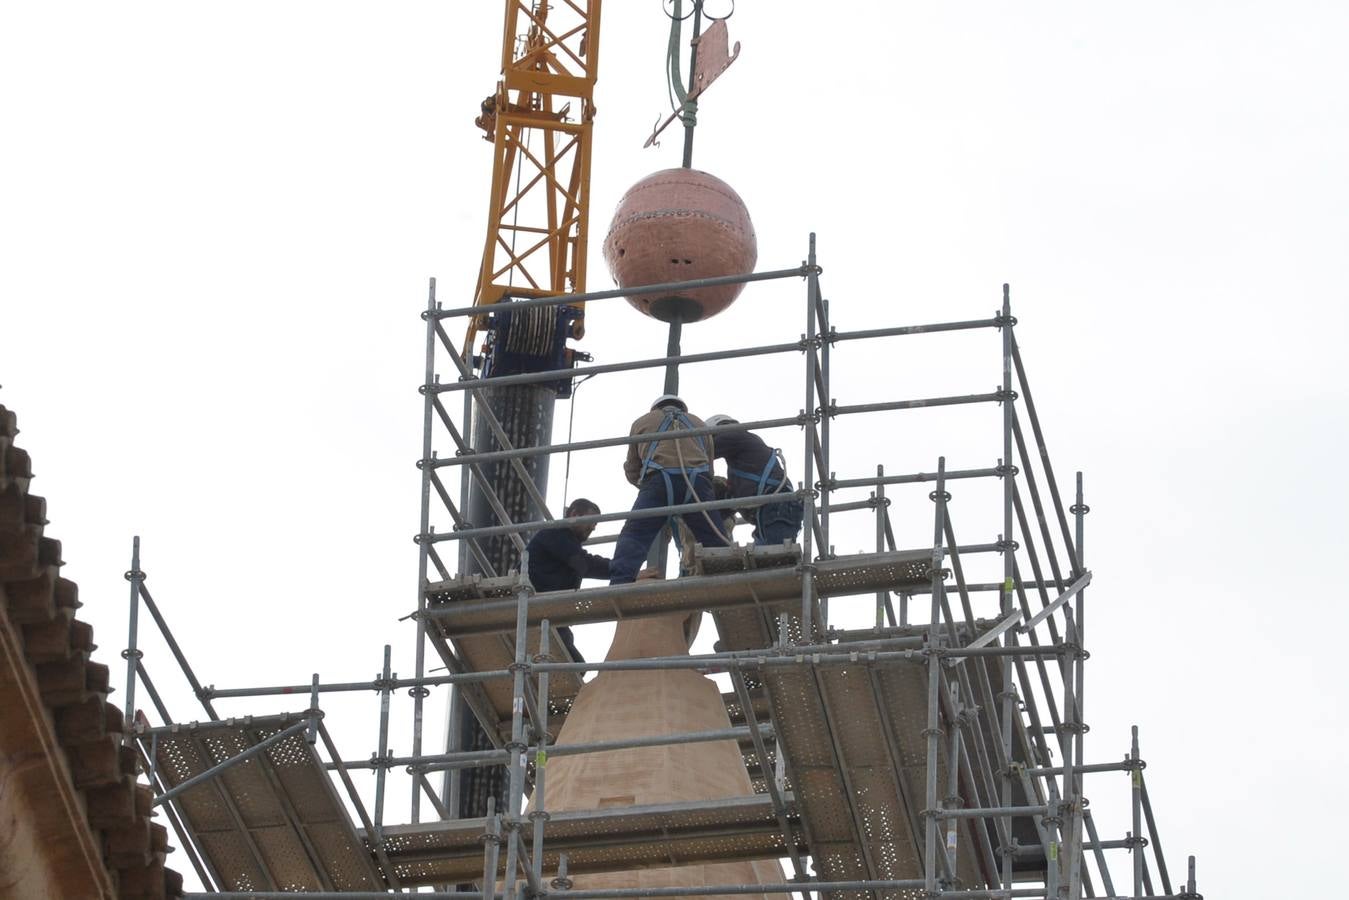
678, 225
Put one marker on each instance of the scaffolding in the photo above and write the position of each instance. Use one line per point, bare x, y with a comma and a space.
936, 757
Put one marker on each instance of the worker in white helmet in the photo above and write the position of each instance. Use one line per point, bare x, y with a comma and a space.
755, 469
667, 471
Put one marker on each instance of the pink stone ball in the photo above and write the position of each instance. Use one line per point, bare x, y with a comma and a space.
678, 225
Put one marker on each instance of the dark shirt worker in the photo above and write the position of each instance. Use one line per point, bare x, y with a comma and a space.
753, 469
558, 561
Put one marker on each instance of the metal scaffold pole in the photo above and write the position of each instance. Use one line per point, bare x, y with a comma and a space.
419, 692
933, 731
386, 677
132, 653
1008, 577
517, 746
1079, 509
833, 720
826, 415
808, 481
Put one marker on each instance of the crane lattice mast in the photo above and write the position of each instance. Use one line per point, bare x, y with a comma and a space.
539, 122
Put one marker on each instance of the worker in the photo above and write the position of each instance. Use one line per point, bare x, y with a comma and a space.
667, 472
755, 469
558, 560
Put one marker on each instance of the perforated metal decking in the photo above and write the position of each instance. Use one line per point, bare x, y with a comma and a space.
491, 650
852, 734
608, 840
272, 822
474, 617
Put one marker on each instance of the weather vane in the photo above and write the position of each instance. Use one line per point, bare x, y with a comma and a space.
710, 54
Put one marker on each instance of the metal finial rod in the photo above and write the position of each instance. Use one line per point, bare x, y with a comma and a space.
690, 112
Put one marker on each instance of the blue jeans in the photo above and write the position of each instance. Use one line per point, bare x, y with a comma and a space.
634, 541
778, 522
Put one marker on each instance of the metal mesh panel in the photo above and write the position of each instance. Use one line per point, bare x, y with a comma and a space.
482, 652
608, 841
258, 790
775, 582
233, 861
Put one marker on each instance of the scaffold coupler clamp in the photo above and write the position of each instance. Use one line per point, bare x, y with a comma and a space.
999, 320
1073, 805
433, 387
1002, 395
931, 572
1002, 470
1134, 841
562, 882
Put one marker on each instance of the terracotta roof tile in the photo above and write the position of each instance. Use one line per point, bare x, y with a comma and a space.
38, 605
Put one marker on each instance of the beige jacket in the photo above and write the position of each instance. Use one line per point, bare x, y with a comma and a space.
690, 449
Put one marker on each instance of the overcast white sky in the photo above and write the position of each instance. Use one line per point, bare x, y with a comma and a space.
217, 222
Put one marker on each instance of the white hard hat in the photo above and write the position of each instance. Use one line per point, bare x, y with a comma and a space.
669, 400
720, 419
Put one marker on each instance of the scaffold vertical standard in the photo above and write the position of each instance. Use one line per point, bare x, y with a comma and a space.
888, 757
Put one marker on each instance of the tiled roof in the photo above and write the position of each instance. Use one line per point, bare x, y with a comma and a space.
65, 739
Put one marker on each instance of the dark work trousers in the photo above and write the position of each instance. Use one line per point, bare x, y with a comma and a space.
778, 522
634, 541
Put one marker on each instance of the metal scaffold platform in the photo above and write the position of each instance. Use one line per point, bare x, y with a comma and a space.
614, 840
936, 749
273, 820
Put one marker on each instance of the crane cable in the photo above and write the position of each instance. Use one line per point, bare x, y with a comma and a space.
571, 419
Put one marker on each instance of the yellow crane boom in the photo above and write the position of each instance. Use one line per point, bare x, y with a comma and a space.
539, 123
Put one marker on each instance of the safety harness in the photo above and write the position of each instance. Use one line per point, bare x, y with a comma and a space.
672, 417
649, 464
764, 480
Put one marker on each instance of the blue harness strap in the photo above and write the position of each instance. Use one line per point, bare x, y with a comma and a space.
761, 481
649, 460
649, 464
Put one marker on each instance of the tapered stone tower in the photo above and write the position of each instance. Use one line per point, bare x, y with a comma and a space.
631, 704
